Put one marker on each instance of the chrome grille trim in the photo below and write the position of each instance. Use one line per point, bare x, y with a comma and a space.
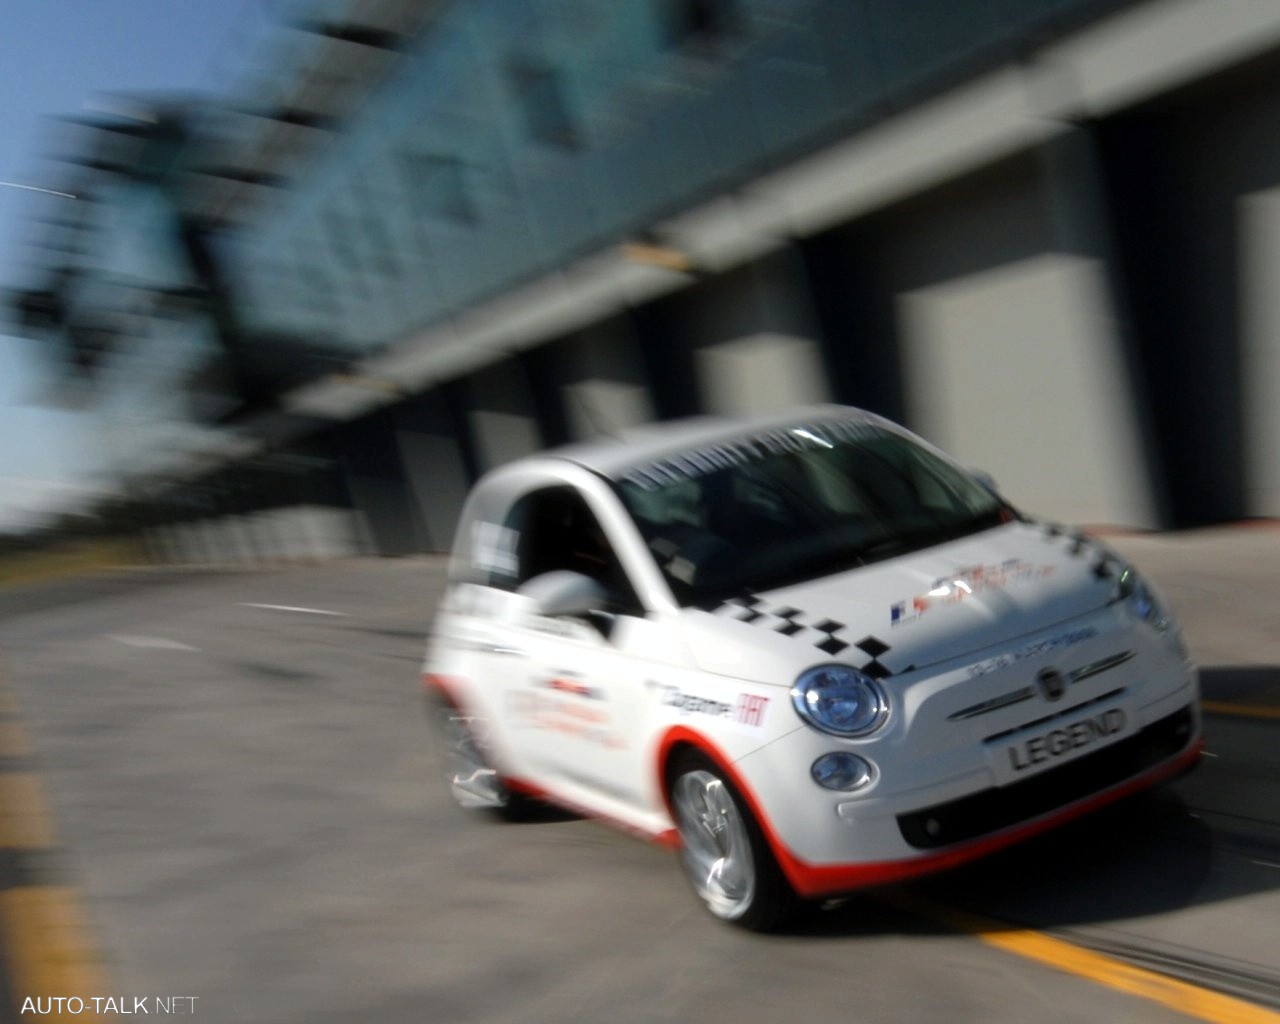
994, 704
1095, 668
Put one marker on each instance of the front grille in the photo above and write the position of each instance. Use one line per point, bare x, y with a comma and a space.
1026, 692
993, 809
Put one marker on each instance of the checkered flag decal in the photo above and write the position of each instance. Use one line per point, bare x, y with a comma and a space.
789, 627
1080, 545
827, 635
874, 647
832, 644
746, 609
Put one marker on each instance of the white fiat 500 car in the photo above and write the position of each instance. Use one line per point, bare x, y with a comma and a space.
810, 651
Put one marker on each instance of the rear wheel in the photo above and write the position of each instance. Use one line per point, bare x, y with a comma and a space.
469, 775
723, 851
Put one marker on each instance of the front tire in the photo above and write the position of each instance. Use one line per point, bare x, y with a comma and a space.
722, 849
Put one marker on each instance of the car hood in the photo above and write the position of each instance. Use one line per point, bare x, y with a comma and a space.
908, 612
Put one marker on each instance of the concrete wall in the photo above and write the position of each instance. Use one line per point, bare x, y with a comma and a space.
1258, 225
434, 459
438, 480
1222, 202
1082, 302
761, 372
1192, 176
502, 418
1017, 371
605, 387
1007, 350
301, 533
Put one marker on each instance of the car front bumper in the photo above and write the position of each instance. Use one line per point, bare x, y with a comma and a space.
944, 790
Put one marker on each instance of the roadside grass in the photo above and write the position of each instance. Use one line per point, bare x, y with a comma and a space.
71, 558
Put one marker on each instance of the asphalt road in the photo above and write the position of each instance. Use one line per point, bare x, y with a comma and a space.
246, 813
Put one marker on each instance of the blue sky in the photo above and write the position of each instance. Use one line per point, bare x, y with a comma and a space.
65, 57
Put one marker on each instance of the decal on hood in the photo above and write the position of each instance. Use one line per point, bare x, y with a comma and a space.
824, 632
955, 587
1033, 650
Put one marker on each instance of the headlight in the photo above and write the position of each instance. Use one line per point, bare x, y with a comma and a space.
1141, 600
840, 700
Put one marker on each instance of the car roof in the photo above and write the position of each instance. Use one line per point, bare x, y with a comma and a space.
631, 448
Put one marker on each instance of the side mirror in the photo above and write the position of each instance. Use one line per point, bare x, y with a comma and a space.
986, 479
565, 593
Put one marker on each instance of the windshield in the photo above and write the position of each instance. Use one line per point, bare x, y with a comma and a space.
765, 511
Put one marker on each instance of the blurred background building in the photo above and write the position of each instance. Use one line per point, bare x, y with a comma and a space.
428, 236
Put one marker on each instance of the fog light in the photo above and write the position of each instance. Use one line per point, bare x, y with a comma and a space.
842, 771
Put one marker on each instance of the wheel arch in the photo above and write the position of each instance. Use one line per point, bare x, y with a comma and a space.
680, 739
675, 742
441, 687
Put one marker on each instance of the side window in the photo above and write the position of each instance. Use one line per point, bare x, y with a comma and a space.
554, 528
492, 555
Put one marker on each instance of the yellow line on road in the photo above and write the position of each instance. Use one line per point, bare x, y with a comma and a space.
13, 741
1222, 707
1185, 998
44, 934
25, 821
46, 940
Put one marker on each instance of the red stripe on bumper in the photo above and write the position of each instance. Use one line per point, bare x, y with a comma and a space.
814, 880
823, 880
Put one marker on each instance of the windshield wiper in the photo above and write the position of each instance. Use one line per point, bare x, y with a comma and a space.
937, 532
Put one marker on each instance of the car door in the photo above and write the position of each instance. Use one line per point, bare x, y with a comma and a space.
582, 711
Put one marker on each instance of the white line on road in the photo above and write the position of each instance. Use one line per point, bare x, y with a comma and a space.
149, 641
288, 608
